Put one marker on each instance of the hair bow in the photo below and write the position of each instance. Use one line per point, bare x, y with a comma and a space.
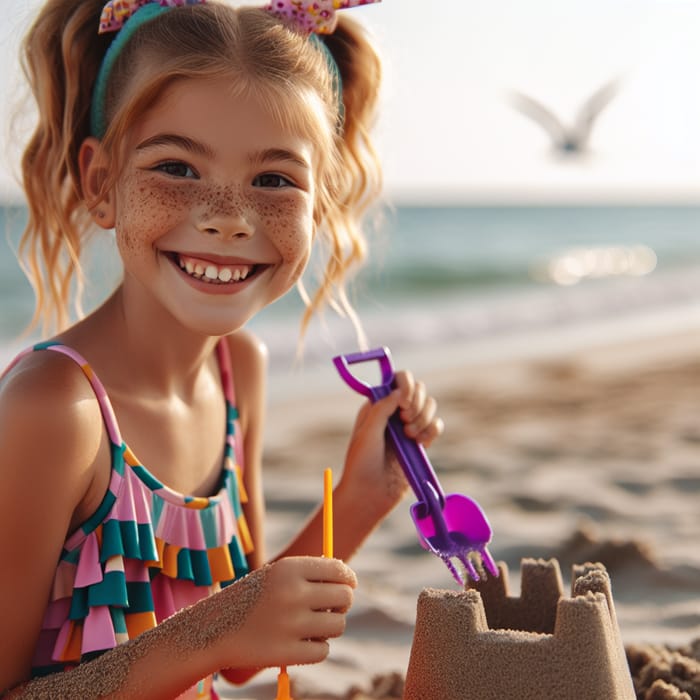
308, 16
116, 12
312, 16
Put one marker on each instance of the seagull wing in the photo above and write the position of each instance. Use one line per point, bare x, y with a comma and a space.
536, 111
591, 109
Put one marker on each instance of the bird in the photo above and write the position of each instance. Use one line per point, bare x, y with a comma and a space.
568, 139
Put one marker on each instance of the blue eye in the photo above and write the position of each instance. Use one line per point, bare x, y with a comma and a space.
272, 181
176, 168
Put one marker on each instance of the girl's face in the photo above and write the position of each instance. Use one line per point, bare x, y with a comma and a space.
214, 208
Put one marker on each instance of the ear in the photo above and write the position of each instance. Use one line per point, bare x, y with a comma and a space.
93, 162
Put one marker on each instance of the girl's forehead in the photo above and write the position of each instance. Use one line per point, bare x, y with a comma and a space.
222, 106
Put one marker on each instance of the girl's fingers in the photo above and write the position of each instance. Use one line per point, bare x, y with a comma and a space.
417, 403
418, 410
329, 571
327, 625
307, 651
405, 385
337, 598
432, 431
425, 421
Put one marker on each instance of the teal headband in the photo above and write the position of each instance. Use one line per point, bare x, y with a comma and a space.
145, 13
140, 16
336, 79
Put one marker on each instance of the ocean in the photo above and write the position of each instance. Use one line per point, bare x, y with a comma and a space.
459, 273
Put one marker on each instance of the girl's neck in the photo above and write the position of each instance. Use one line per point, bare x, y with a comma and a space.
133, 347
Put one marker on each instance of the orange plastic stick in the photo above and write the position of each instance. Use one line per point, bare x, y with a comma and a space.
328, 513
283, 692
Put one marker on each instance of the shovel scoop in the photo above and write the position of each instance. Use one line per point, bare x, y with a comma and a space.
451, 526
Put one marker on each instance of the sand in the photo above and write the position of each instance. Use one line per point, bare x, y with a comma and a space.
579, 452
486, 643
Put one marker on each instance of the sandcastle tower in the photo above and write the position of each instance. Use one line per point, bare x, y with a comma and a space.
481, 643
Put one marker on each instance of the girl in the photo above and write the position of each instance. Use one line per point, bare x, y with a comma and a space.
219, 144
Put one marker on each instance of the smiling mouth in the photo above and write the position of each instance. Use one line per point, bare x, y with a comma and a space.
215, 273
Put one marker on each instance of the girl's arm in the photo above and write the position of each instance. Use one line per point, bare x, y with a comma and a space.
372, 482
50, 437
154, 665
278, 615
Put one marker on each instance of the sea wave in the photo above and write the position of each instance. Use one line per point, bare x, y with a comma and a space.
499, 320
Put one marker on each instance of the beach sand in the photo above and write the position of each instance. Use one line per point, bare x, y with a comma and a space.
585, 452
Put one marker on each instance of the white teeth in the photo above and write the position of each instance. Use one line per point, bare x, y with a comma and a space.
212, 273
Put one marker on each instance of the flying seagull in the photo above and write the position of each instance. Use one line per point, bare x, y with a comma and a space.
573, 138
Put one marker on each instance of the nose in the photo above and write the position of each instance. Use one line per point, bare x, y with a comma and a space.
224, 214
225, 230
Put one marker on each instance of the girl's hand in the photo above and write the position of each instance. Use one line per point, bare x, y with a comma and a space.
371, 469
282, 614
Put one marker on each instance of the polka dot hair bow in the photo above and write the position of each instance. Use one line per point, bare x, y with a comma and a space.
116, 12
312, 16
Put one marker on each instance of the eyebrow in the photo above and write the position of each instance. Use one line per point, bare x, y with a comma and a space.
183, 142
198, 148
280, 154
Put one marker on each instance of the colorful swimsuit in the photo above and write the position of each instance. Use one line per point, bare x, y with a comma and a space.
146, 552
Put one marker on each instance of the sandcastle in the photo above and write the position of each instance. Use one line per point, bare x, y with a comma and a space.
482, 643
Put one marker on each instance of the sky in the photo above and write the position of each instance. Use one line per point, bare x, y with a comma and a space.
448, 131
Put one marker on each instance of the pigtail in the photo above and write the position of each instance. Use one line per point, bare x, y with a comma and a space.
61, 54
361, 74
355, 179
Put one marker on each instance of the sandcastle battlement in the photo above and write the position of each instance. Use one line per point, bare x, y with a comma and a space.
483, 643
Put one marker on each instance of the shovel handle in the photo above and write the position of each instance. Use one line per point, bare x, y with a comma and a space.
411, 455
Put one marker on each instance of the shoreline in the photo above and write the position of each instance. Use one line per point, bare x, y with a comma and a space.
669, 334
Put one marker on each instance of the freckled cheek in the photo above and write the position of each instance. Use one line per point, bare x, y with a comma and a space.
290, 228
294, 244
145, 211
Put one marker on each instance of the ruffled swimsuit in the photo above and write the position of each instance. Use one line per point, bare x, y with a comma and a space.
146, 552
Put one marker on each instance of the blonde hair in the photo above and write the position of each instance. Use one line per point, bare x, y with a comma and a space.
61, 56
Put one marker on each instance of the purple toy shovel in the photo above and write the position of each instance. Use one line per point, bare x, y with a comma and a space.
449, 525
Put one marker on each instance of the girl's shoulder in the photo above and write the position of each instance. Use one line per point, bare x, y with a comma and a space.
44, 380
248, 361
48, 410
248, 355
245, 347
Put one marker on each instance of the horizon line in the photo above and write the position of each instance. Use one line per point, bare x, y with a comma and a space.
508, 196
